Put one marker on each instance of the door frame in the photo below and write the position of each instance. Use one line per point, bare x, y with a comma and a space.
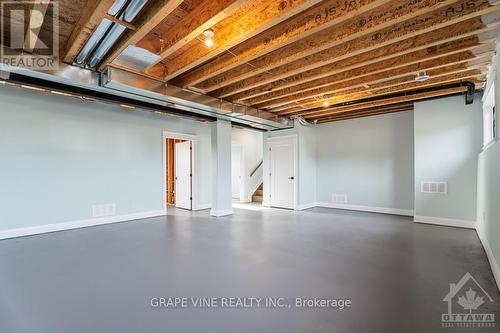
194, 142
294, 141
242, 170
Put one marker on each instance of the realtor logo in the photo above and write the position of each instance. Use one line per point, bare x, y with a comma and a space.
467, 305
30, 34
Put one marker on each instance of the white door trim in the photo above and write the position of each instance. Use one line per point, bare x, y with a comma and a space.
194, 183
294, 140
243, 176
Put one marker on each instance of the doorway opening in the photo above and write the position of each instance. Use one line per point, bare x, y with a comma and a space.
178, 172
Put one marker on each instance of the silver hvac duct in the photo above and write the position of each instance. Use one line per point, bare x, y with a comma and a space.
121, 83
124, 81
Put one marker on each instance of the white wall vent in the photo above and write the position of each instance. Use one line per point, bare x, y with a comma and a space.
434, 187
103, 210
339, 198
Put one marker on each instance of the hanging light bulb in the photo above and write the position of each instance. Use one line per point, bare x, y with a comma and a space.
209, 42
209, 35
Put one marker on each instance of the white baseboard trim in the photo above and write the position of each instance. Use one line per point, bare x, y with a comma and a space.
307, 206
383, 210
445, 221
42, 229
494, 264
203, 207
219, 213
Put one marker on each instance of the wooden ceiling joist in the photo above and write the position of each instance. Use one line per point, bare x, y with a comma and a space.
315, 19
395, 86
425, 13
469, 48
394, 100
367, 113
204, 16
152, 16
433, 22
264, 15
472, 31
90, 17
451, 62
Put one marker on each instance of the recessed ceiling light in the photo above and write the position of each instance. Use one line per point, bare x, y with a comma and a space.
326, 103
55, 92
422, 76
32, 88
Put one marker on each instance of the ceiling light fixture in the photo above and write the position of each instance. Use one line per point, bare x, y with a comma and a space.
32, 88
60, 93
422, 76
209, 35
126, 106
326, 103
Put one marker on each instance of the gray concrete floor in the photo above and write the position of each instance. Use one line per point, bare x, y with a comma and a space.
101, 279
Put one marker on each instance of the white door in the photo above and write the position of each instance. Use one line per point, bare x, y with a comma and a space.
282, 173
183, 175
235, 171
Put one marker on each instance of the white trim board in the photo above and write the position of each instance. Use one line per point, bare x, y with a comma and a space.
203, 206
445, 221
42, 229
491, 257
219, 213
307, 206
383, 210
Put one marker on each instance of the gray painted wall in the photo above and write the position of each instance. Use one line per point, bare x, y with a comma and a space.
368, 159
59, 156
448, 138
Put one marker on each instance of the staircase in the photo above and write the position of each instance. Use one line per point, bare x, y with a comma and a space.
257, 196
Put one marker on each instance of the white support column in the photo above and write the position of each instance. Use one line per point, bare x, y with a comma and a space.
221, 169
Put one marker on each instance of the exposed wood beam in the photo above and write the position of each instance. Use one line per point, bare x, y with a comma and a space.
153, 15
387, 101
317, 18
91, 16
432, 22
395, 86
367, 113
382, 18
206, 15
359, 78
473, 30
264, 15
120, 22
443, 50
37, 16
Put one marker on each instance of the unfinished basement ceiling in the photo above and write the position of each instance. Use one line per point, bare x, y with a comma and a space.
321, 60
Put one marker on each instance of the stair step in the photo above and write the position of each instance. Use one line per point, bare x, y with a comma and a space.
257, 198
260, 187
259, 192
